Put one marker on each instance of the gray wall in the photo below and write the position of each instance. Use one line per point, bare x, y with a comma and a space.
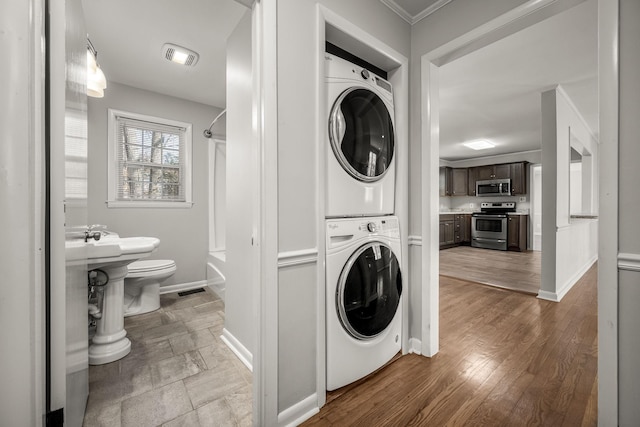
629, 203
239, 314
183, 232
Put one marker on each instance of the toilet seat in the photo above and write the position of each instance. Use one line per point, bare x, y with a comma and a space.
150, 267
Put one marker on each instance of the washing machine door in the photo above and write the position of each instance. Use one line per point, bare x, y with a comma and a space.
361, 134
368, 292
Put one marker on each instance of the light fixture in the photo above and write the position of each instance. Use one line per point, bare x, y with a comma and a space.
180, 55
480, 144
96, 80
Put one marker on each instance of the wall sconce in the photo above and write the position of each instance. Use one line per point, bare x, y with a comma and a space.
96, 80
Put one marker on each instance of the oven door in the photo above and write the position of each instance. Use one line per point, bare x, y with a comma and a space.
489, 231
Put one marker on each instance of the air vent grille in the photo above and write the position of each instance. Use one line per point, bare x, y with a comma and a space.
180, 55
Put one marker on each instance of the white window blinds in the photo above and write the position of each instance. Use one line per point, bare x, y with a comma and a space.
150, 160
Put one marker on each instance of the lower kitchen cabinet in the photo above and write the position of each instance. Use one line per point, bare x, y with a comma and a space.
517, 232
455, 229
447, 230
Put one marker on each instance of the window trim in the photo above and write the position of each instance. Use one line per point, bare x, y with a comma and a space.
112, 163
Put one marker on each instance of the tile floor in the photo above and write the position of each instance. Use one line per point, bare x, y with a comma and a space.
179, 372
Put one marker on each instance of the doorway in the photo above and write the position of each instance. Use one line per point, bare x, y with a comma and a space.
433, 64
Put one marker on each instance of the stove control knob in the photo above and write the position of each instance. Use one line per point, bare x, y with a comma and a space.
371, 227
365, 74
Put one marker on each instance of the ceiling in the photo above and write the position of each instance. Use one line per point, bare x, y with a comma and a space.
494, 92
129, 35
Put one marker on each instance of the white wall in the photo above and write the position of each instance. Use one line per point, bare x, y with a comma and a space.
241, 177
22, 198
629, 205
299, 200
183, 232
569, 246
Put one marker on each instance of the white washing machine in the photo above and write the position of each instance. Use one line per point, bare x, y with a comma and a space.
364, 297
362, 142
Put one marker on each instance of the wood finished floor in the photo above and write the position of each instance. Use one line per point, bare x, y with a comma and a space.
179, 372
505, 359
519, 271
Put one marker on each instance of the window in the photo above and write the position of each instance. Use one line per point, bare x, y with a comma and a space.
149, 161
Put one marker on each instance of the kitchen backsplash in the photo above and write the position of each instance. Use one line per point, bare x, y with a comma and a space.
471, 204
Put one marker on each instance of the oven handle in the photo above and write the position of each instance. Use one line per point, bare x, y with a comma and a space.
489, 216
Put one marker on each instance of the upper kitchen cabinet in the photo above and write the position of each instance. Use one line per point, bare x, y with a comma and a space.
446, 181
518, 178
502, 171
453, 181
460, 183
472, 174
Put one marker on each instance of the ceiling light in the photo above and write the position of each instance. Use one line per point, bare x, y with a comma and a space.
480, 144
180, 55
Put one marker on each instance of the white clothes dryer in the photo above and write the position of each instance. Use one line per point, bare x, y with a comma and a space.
364, 297
362, 141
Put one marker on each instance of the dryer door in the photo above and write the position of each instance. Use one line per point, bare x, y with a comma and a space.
368, 293
361, 134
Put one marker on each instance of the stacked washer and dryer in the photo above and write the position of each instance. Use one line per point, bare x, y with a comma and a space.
363, 277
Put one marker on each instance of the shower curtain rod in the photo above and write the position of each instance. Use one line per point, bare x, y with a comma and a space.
207, 132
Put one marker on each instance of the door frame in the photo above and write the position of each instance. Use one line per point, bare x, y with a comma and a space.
509, 23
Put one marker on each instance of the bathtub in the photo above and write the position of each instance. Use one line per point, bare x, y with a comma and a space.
216, 271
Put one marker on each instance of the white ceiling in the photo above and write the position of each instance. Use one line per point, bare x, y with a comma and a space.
494, 93
129, 35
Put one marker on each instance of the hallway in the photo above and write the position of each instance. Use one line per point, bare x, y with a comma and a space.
505, 359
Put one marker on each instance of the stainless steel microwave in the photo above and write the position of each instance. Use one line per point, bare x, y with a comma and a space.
493, 187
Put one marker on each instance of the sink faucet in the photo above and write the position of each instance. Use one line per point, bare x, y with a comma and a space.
94, 232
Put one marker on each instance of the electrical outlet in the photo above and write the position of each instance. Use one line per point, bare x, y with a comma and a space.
472, 205
523, 199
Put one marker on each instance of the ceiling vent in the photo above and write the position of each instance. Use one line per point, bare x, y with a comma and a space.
180, 55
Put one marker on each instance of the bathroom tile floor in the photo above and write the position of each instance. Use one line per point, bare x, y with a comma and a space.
179, 372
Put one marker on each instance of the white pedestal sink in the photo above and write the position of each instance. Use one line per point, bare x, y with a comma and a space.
111, 254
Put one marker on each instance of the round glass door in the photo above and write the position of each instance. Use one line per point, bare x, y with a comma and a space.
361, 134
369, 291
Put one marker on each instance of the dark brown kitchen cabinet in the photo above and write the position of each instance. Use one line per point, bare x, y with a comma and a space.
465, 228
502, 171
453, 181
446, 181
517, 232
447, 231
462, 227
472, 174
459, 182
519, 178
455, 229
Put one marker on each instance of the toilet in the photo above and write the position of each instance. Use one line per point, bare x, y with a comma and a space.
142, 285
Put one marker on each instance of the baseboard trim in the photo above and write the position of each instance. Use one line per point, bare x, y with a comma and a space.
180, 287
558, 295
237, 348
300, 412
415, 346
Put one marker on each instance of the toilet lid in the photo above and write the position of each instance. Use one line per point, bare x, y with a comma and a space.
151, 265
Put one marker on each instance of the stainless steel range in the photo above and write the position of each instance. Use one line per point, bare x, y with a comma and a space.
489, 226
